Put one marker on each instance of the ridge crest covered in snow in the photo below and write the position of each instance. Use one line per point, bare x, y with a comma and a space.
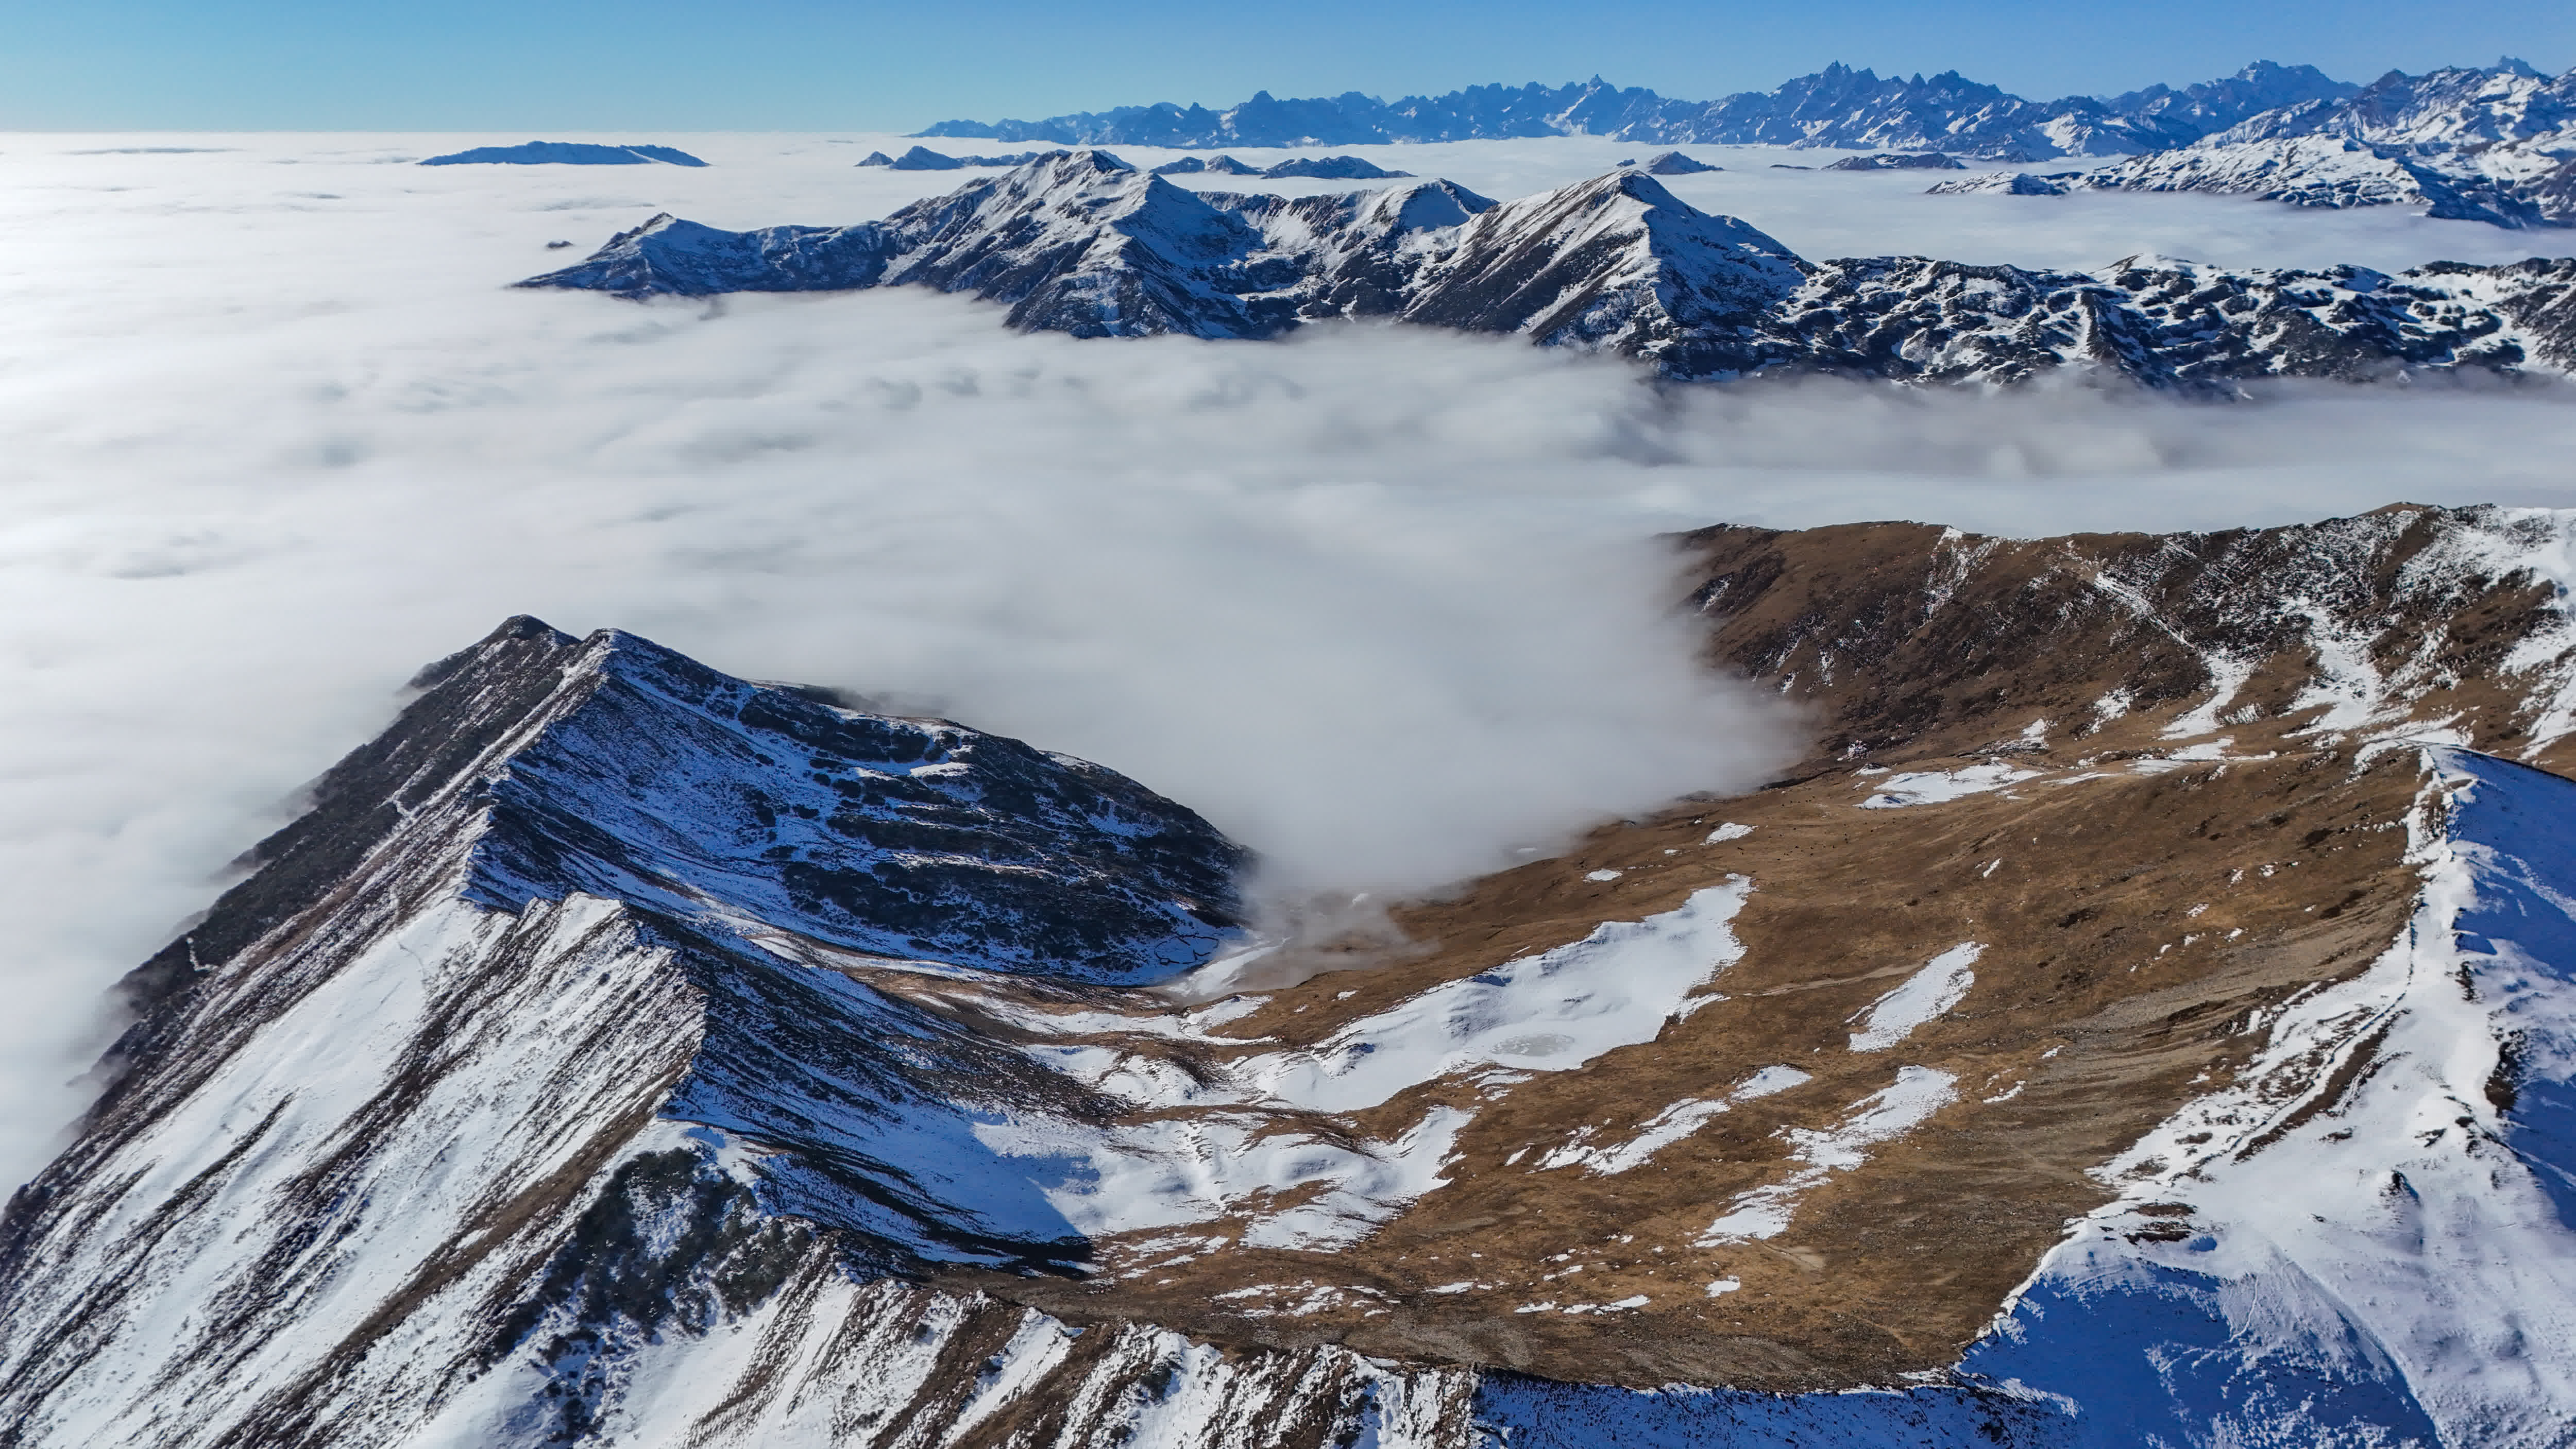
1079, 241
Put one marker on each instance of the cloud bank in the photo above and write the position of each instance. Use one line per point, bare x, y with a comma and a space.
1384, 604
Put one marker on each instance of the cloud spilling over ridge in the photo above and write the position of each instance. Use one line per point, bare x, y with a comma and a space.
1384, 604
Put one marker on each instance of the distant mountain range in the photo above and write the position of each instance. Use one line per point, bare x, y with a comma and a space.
1082, 242
1837, 106
2496, 145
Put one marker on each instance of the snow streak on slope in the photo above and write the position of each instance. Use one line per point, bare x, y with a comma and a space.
1926, 994
1917, 1093
1666, 1127
1548, 1012
1203, 1151
2370, 1237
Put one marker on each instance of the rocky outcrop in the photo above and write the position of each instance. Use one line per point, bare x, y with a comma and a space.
1081, 242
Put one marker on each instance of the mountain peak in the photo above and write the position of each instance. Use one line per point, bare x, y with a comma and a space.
1080, 242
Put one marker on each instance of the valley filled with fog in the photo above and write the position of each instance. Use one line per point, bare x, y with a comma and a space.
1384, 604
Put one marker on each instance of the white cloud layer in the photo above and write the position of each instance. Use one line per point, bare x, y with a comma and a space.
1380, 603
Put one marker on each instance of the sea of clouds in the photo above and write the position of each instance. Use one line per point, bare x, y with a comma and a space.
1386, 605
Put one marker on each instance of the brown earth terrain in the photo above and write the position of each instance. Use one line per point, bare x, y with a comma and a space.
2193, 807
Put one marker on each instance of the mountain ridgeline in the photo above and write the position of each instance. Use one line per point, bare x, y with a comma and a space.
2497, 146
2147, 1016
2492, 144
1081, 242
1837, 106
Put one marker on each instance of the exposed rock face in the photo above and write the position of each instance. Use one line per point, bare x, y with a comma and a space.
1081, 242
565, 153
522, 1096
1837, 106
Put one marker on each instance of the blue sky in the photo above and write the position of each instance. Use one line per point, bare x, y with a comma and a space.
483, 64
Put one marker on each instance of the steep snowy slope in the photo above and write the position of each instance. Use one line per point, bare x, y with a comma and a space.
2145, 1014
2457, 109
1083, 243
2365, 1239
1618, 264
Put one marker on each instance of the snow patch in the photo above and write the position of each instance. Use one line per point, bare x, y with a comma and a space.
1926, 994
1931, 787
1666, 1127
1882, 1116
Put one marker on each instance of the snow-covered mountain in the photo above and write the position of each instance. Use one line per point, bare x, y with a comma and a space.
2149, 1015
1081, 242
1837, 106
2459, 109
2497, 146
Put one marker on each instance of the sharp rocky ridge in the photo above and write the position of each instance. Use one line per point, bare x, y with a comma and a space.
2149, 1013
1081, 242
